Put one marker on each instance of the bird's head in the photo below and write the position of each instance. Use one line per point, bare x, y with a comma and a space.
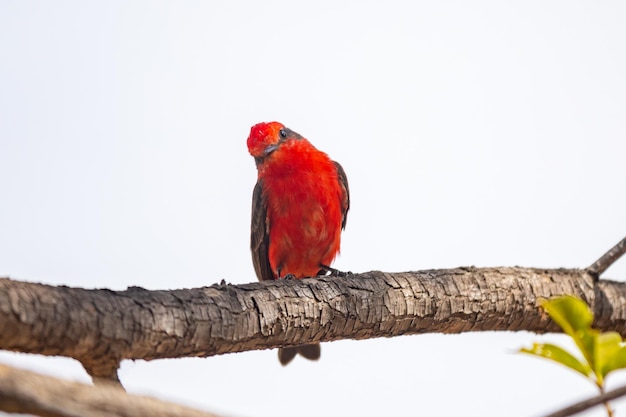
266, 138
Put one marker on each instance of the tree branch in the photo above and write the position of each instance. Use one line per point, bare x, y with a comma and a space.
30, 393
590, 402
102, 327
606, 260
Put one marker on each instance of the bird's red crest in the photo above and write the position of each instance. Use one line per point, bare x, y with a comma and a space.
263, 135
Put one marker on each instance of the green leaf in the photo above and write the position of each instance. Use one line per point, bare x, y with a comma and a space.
602, 352
618, 361
560, 355
571, 313
607, 348
574, 316
586, 340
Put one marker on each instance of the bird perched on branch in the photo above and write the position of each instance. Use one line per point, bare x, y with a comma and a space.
299, 207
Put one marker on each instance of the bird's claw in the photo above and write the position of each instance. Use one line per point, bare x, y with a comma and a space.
335, 272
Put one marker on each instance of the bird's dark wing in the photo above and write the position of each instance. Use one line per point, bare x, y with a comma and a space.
259, 235
345, 204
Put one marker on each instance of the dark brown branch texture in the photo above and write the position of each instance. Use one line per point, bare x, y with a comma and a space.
102, 327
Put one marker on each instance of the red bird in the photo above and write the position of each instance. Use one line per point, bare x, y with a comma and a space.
299, 207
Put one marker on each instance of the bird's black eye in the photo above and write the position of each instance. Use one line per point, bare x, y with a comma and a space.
282, 133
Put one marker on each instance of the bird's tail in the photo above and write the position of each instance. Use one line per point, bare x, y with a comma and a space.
311, 352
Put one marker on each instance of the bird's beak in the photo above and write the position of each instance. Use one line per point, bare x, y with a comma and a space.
269, 149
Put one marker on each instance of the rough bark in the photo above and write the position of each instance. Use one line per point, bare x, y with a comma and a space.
101, 327
27, 392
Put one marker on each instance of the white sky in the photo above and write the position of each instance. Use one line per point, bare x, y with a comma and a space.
482, 133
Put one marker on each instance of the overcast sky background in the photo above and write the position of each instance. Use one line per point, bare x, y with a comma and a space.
482, 133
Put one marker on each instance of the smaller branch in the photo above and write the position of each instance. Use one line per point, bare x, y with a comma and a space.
27, 392
590, 402
103, 372
606, 260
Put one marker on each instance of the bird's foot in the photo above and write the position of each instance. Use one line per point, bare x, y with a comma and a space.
335, 272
